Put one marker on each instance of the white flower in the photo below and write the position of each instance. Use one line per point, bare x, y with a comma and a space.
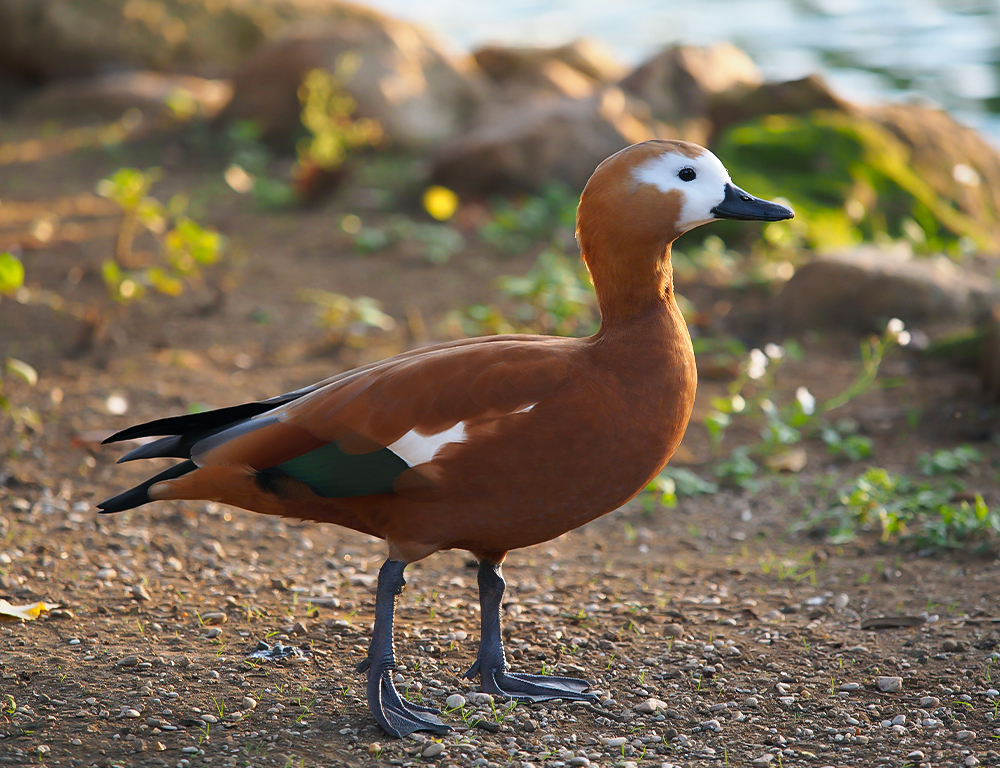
738, 403
806, 401
774, 351
895, 326
903, 338
758, 364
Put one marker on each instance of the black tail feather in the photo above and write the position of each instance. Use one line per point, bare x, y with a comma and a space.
173, 447
202, 423
136, 497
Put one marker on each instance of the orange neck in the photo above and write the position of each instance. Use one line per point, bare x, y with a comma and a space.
628, 288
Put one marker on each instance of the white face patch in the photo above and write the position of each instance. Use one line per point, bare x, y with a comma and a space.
699, 195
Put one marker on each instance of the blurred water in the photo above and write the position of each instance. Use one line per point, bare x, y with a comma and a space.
943, 51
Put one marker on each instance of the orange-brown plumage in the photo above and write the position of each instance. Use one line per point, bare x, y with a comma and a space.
488, 444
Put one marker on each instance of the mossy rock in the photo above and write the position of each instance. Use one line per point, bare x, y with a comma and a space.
849, 180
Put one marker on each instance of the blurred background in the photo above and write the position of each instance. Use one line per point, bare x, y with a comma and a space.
205, 201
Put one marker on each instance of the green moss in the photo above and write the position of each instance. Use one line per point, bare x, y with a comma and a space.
848, 179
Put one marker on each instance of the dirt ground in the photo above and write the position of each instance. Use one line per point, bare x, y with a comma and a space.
746, 630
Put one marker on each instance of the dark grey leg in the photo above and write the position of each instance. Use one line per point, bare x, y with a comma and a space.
397, 716
491, 664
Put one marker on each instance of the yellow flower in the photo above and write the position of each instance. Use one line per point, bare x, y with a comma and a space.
440, 202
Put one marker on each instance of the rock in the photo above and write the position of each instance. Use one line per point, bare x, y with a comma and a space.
747, 101
679, 82
575, 69
106, 97
139, 593
46, 39
536, 144
650, 706
435, 749
673, 630
763, 761
953, 159
249, 703
479, 699
965, 735
861, 289
106, 574
455, 701
128, 661
419, 95
929, 702
889, 684
214, 617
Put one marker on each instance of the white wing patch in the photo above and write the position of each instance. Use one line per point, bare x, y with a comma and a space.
414, 448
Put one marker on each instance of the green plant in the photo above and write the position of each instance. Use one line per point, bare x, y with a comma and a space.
11, 274
948, 462
327, 111
672, 483
349, 321
842, 441
517, 225
918, 513
437, 243
183, 246
556, 296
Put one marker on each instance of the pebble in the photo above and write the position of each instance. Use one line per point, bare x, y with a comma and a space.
993, 693
673, 630
971, 760
455, 701
616, 742
214, 617
374, 749
889, 684
131, 713
139, 593
915, 755
929, 702
899, 720
478, 698
850, 687
649, 706
435, 749
249, 703
751, 702
581, 761
965, 735
128, 661
106, 574
763, 761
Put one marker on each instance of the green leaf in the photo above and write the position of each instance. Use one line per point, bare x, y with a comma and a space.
22, 369
11, 273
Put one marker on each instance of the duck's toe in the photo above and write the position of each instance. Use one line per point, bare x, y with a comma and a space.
394, 714
514, 685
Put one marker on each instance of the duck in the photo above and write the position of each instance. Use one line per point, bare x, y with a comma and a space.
485, 444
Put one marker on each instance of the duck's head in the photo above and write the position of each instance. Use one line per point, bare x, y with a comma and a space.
642, 199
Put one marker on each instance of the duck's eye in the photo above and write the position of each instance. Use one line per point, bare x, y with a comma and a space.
687, 174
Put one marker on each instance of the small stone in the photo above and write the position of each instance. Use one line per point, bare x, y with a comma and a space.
899, 720
374, 749
249, 703
478, 699
993, 693
211, 719
673, 630
455, 701
616, 742
213, 632
850, 687
581, 761
106, 574
128, 661
915, 755
763, 761
214, 618
131, 713
889, 684
971, 760
929, 702
841, 601
139, 593
949, 646
435, 749
965, 735
649, 706
751, 702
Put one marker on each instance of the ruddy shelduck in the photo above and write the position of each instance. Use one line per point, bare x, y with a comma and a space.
486, 444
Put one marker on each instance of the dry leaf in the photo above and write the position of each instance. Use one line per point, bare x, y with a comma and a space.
28, 612
789, 461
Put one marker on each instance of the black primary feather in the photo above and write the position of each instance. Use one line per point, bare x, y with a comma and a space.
136, 497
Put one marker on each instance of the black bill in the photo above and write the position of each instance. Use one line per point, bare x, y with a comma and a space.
737, 204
